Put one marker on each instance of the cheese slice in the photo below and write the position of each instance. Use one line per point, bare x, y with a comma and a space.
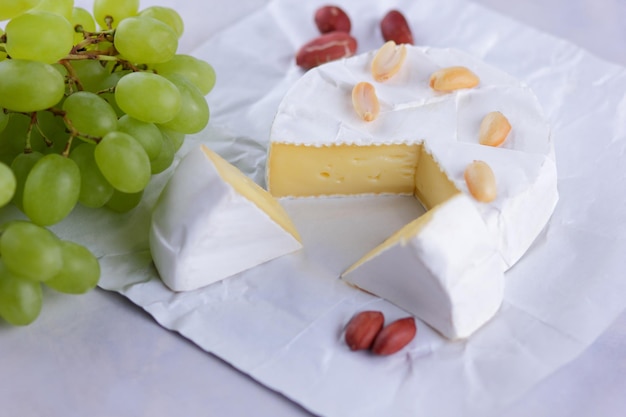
211, 222
444, 267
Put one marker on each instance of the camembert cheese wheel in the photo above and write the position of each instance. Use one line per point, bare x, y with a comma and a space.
444, 125
421, 142
211, 222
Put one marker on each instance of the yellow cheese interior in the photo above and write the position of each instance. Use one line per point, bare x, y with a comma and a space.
432, 185
302, 171
252, 191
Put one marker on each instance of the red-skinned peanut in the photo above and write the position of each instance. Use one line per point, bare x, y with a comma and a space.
394, 27
332, 19
325, 48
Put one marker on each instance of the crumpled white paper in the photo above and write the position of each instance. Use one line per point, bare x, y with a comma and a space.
281, 322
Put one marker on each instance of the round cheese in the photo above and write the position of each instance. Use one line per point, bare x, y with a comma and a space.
420, 143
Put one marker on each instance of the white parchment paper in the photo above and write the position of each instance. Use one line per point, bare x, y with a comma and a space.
281, 323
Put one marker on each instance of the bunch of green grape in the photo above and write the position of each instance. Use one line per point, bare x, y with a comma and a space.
31, 255
91, 106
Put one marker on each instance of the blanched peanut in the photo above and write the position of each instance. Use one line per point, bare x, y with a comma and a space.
388, 61
481, 181
453, 78
494, 129
365, 101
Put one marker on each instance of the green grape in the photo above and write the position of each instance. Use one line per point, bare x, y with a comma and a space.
6, 151
82, 19
10, 143
3, 54
7, 184
165, 157
123, 162
28, 86
16, 133
109, 82
194, 113
117, 9
177, 138
30, 251
21, 166
51, 189
60, 7
105, 47
11, 8
145, 40
199, 72
91, 74
147, 97
4, 120
60, 68
90, 114
80, 271
20, 299
124, 202
166, 15
39, 36
55, 131
13, 138
95, 190
147, 134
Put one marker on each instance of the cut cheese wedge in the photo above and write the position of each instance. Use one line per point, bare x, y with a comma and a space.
420, 144
444, 267
211, 222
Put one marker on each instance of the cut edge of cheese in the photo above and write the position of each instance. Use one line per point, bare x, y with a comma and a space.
252, 191
341, 170
451, 274
212, 222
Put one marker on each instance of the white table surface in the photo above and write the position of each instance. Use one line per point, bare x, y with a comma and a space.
87, 356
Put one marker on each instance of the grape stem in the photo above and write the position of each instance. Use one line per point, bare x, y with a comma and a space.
92, 38
100, 57
72, 77
72, 130
68, 146
46, 140
33, 122
109, 21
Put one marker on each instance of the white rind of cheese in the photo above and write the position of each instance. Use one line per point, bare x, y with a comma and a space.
448, 272
317, 112
203, 230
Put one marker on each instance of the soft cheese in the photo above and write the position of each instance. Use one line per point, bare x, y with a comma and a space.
211, 222
320, 146
444, 267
